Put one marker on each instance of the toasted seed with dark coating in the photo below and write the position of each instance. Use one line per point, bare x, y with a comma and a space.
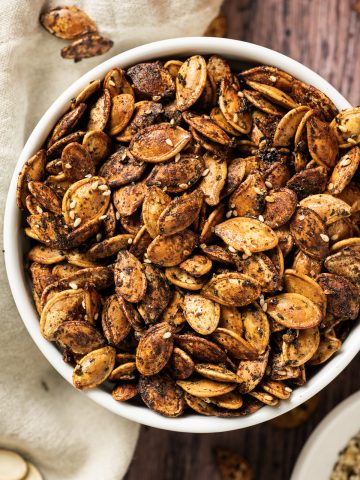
121, 168
94, 368
33, 170
280, 211
156, 297
294, 311
88, 46
181, 364
159, 142
177, 175
200, 348
341, 294
67, 22
114, 322
130, 278
45, 196
125, 391
171, 250
66, 123
78, 335
77, 162
310, 233
161, 394
190, 82
154, 349
151, 80
180, 213
308, 182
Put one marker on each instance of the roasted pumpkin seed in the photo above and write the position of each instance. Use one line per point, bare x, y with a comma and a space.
293, 310
154, 349
94, 368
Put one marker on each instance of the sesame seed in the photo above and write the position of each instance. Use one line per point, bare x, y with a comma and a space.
346, 161
107, 193
288, 389
156, 98
165, 188
264, 307
98, 237
166, 335
147, 112
261, 218
73, 285
83, 304
324, 237
72, 214
203, 245
334, 237
95, 185
96, 316
88, 175
232, 205
77, 222
205, 172
351, 140
177, 157
228, 214
240, 94
86, 317
147, 260
183, 185
268, 397
268, 184
206, 116
117, 215
172, 121
67, 165
130, 241
103, 217
235, 213
301, 217
269, 199
231, 249
262, 300
342, 128
39, 209
247, 251
330, 186
235, 118
257, 190
102, 187
123, 156
72, 204
272, 78
58, 163
169, 142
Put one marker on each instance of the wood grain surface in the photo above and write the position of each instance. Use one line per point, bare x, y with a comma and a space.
325, 36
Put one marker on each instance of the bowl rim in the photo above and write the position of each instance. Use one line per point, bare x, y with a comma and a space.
192, 423
332, 434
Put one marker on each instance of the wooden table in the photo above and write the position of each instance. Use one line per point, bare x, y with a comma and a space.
324, 35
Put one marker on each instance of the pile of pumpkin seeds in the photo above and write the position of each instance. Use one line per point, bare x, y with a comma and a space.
195, 234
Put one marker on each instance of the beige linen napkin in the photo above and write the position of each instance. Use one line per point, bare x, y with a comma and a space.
63, 432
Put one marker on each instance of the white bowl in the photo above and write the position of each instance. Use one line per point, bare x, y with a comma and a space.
320, 453
14, 244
